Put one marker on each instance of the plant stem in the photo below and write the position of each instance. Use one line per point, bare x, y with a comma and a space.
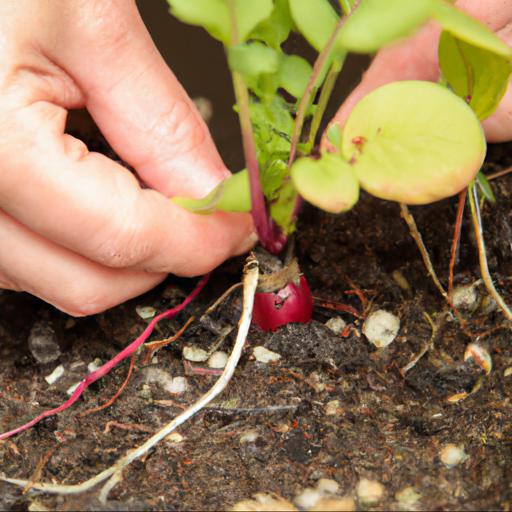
456, 239
413, 229
311, 87
271, 237
482, 256
325, 95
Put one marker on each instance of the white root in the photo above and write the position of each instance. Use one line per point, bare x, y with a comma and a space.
250, 282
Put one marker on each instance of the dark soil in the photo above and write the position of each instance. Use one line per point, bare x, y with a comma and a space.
387, 427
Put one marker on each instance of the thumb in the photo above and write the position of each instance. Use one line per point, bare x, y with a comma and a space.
136, 100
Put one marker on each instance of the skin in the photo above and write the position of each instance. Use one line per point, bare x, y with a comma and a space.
416, 58
77, 229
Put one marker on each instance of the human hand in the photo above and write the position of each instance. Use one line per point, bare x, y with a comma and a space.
416, 59
76, 228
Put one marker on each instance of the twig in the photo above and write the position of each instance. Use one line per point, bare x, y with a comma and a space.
118, 392
271, 409
456, 239
499, 174
155, 346
428, 346
113, 473
416, 235
482, 255
220, 300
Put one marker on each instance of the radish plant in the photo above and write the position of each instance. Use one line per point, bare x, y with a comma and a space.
413, 142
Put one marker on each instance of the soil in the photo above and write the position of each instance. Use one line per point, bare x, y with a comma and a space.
387, 427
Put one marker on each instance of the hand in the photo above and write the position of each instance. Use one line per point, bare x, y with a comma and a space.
76, 229
416, 59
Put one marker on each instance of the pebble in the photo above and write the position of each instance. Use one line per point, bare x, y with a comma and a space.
173, 385
195, 354
344, 504
308, 498
452, 455
218, 360
465, 297
145, 312
327, 486
400, 280
94, 365
264, 503
264, 355
55, 375
249, 437
332, 408
174, 438
336, 324
407, 498
381, 328
369, 492
507, 372
42, 342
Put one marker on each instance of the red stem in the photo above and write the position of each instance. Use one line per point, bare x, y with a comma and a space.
103, 370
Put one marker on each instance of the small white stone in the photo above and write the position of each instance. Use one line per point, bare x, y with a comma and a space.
145, 312
177, 386
195, 354
336, 324
407, 498
332, 408
264, 503
327, 486
249, 437
369, 492
328, 504
381, 328
264, 355
174, 438
308, 498
452, 455
55, 375
72, 388
94, 365
218, 360
507, 372
465, 297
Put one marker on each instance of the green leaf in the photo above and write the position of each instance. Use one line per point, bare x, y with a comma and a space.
329, 183
232, 195
334, 135
468, 29
281, 209
413, 142
294, 73
315, 20
376, 23
275, 29
475, 74
253, 59
214, 16
485, 187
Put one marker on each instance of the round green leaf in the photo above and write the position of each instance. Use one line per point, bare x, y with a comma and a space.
294, 73
329, 182
253, 59
413, 142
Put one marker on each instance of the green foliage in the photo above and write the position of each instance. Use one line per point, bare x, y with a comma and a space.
377, 23
214, 15
231, 195
475, 74
485, 187
413, 142
329, 182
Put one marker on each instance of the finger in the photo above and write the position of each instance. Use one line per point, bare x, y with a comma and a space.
92, 206
137, 102
68, 281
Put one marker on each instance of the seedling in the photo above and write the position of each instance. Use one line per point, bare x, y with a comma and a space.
412, 142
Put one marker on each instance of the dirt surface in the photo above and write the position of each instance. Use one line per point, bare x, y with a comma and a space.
386, 427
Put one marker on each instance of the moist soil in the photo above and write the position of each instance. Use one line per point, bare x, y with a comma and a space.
386, 426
